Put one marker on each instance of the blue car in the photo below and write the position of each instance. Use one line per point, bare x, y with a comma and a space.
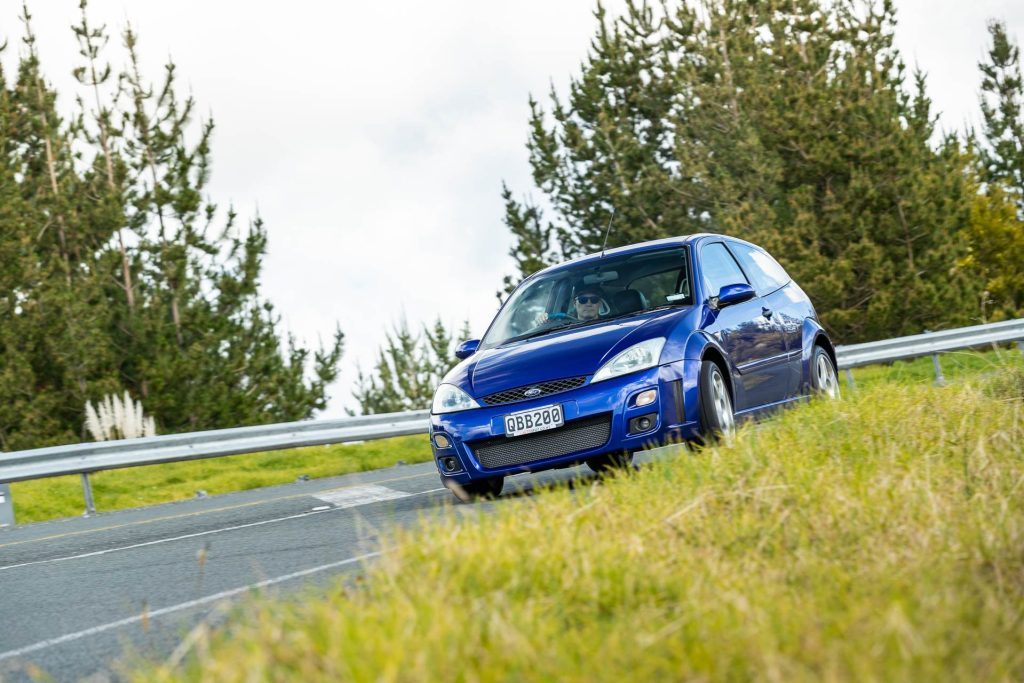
596, 358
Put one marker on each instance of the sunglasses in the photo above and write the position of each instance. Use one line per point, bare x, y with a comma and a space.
588, 299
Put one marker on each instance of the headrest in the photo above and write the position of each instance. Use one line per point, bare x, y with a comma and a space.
627, 301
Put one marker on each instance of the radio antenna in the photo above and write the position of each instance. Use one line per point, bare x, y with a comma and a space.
607, 231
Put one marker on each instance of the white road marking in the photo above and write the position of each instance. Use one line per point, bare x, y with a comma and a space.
316, 511
432, 474
68, 637
359, 495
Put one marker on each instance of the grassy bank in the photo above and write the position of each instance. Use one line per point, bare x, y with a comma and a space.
56, 497
875, 538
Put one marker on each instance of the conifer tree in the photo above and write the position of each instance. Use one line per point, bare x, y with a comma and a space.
996, 233
117, 273
789, 123
1002, 99
408, 369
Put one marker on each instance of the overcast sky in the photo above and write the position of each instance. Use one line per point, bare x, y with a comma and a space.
373, 137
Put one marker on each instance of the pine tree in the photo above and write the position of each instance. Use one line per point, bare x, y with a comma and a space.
408, 369
116, 273
788, 123
1002, 96
996, 233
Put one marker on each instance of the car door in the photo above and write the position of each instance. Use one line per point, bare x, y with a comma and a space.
747, 332
782, 297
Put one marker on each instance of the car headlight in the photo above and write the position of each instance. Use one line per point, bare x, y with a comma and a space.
637, 357
448, 398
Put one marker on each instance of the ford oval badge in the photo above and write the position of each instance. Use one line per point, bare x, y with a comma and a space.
531, 392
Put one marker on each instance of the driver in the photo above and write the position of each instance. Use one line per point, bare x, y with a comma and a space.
588, 302
586, 306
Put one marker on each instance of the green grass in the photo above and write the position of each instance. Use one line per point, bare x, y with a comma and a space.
56, 497
955, 365
875, 538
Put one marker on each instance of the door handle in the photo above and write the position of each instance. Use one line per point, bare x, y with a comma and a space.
766, 312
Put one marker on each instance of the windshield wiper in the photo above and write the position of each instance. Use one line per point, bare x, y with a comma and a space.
537, 333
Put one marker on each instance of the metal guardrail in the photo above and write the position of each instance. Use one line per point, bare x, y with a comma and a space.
85, 458
929, 343
93, 457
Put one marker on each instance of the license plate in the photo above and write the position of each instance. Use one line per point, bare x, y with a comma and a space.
535, 420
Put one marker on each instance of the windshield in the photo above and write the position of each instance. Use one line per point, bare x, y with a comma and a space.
594, 291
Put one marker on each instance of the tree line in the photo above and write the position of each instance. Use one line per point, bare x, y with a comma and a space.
794, 124
117, 272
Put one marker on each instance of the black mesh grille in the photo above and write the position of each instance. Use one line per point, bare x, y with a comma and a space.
578, 435
555, 386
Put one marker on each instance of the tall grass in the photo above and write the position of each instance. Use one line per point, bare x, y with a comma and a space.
877, 538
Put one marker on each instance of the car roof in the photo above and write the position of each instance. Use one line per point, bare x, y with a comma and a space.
682, 240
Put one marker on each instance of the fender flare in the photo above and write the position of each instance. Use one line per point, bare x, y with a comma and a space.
814, 334
699, 345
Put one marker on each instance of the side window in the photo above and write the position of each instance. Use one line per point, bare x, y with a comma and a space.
719, 267
766, 272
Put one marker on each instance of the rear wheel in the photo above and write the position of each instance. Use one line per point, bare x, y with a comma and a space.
610, 461
475, 489
716, 412
823, 374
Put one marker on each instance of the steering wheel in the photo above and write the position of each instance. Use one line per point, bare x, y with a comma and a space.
557, 316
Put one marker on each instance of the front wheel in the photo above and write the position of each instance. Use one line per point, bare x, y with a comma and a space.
716, 412
475, 489
823, 375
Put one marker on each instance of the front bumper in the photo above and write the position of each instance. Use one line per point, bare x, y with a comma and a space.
472, 431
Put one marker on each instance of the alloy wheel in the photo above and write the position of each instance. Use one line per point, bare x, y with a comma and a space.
826, 376
722, 403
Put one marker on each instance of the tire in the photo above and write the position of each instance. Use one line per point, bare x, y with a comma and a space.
823, 375
475, 489
610, 461
717, 416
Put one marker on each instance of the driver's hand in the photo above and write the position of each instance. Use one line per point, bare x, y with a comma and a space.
541, 318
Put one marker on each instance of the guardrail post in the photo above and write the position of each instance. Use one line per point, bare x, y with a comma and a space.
849, 380
6, 506
939, 379
1020, 345
90, 506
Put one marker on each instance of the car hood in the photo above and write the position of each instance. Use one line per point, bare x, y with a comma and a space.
569, 353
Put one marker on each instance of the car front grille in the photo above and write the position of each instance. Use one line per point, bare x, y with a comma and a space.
575, 436
555, 386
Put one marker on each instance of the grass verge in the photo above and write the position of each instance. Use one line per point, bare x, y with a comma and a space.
878, 537
56, 497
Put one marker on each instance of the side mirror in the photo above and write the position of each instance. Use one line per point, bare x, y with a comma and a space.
732, 294
467, 348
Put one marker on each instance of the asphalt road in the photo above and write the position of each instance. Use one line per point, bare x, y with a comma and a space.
77, 596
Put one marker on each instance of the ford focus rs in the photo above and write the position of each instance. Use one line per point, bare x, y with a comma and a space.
599, 357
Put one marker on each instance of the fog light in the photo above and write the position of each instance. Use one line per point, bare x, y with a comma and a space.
643, 423
442, 441
450, 464
645, 398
